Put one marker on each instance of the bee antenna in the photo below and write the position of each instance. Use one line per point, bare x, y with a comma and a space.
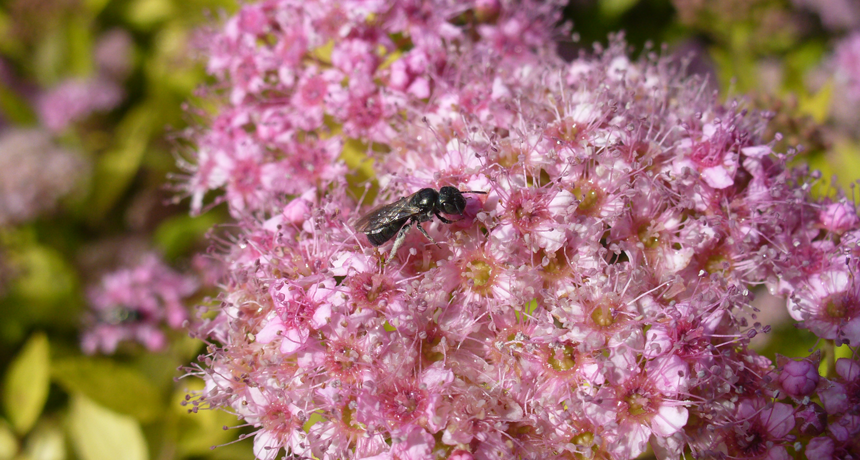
473, 191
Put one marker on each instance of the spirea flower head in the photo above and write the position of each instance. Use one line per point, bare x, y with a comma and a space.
76, 99
595, 302
136, 304
34, 174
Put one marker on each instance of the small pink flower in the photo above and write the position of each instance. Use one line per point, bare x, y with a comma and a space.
712, 154
760, 429
837, 397
839, 217
829, 305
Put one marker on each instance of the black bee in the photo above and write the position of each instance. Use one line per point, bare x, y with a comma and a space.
386, 221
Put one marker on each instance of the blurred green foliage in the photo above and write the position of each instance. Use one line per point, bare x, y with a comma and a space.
58, 404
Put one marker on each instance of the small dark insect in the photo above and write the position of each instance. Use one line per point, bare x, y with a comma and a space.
386, 221
119, 315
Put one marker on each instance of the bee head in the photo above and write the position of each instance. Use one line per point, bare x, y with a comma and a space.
451, 201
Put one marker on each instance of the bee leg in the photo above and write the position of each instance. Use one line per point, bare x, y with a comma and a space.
381, 260
428, 236
399, 239
439, 216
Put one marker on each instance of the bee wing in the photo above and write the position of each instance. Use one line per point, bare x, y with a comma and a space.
386, 214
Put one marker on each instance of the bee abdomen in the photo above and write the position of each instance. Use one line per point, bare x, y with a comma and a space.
384, 233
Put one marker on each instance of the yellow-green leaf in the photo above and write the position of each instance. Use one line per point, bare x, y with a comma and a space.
14, 107
147, 13
116, 168
119, 388
818, 105
46, 442
79, 42
175, 236
615, 8
27, 383
198, 432
46, 279
8, 442
95, 6
101, 434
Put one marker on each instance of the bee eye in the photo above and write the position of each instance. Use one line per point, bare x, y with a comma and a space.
455, 205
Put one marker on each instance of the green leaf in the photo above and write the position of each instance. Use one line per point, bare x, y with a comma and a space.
175, 236
198, 432
46, 279
46, 442
847, 160
100, 434
119, 388
817, 105
8, 442
14, 107
79, 43
116, 168
95, 6
47, 58
145, 14
615, 8
27, 383
167, 70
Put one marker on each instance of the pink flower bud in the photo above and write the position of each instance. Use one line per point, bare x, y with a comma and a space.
799, 378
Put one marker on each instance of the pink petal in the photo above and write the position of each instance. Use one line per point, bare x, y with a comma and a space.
848, 369
293, 340
757, 151
272, 330
779, 420
717, 177
669, 419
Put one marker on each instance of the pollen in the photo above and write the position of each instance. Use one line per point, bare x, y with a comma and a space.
589, 200
561, 359
480, 274
649, 239
717, 264
602, 315
637, 404
835, 308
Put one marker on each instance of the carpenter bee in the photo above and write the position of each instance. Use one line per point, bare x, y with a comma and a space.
386, 221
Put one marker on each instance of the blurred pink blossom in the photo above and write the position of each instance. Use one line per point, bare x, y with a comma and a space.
75, 99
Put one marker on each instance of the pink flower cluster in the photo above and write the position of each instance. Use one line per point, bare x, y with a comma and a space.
595, 303
75, 99
35, 173
304, 79
847, 62
135, 304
